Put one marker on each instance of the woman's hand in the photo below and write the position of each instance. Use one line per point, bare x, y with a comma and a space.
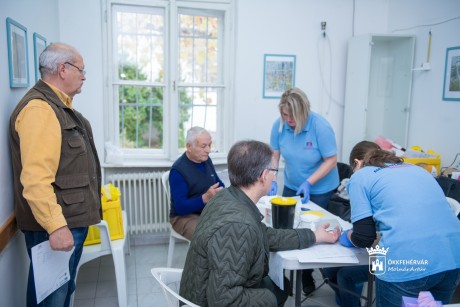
324, 236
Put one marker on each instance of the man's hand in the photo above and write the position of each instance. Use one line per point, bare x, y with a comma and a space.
211, 192
324, 236
61, 239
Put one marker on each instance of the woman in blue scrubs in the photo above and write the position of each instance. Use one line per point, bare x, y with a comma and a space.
307, 143
419, 235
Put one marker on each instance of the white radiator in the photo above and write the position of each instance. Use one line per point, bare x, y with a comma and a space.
145, 202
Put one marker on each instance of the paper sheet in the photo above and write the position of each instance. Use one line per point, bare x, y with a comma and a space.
325, 253
276, 272
51, 269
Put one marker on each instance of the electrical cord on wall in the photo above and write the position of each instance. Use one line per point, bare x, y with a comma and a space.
426, 25
327, 90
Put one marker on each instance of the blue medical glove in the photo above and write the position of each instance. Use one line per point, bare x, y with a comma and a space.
273, 189
305, 190
343, 239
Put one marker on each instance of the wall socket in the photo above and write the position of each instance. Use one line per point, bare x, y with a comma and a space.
323, 25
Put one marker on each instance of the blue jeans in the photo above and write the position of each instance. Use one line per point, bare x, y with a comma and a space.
321, 200
441, 285
60, 297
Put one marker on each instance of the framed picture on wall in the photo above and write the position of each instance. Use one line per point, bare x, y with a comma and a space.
39, 46
17, 53
451, 90
279, 74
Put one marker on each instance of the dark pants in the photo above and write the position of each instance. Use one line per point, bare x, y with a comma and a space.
321, 200
281, 295
60, 297
350, 278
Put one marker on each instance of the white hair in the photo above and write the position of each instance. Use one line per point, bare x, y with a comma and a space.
55, 54
193, 133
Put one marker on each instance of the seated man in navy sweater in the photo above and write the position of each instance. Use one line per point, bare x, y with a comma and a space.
193, 182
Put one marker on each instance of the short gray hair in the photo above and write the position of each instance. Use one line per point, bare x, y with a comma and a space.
55, 54
192, 134
247, 160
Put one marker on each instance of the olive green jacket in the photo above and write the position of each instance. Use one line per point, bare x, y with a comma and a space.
229, 253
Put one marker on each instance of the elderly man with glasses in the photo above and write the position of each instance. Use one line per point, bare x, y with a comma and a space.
57, 176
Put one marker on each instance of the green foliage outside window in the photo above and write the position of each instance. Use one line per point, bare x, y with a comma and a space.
141, 113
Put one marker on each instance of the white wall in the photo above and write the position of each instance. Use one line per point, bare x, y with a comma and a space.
434, 123
82, 28
263, 26
13, 260
294, 27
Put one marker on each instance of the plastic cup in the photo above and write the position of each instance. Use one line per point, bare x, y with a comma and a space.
283, 211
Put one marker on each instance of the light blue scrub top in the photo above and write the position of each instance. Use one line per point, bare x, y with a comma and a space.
413, 217
303, 153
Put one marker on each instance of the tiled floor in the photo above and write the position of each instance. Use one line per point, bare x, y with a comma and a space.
96, 285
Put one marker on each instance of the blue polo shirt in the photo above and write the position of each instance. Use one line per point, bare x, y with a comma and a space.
413, 217
303, 153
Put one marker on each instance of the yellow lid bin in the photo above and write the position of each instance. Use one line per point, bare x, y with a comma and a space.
430, 164
283, 201
111, 213
283, 210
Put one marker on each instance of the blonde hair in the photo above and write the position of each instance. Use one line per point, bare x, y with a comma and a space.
297, 105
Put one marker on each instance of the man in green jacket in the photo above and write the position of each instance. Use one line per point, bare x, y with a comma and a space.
227, 263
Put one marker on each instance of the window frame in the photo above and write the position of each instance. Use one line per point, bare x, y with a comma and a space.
169, 152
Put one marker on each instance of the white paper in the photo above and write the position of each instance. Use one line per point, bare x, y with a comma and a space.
328, 253
276, 272
51, 269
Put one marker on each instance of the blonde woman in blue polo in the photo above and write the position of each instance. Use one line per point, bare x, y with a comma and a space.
307, 143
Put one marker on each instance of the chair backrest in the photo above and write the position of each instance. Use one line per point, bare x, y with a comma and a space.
454, 205
165, 182
169, 280
345, 170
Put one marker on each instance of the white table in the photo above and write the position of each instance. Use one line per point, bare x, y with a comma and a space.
289, 260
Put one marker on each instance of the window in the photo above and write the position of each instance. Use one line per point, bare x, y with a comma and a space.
169, 70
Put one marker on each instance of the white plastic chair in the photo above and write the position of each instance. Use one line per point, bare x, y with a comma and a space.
454, 205
107, 247
169, 280
174, 236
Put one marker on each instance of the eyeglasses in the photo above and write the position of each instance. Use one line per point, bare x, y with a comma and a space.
82, 71
275, 170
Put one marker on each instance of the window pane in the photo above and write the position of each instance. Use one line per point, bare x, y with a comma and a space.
140, 57
198, 52
140, 44
185, 25
213, 27
198, 107
199, 75
200, 27
141, 117
212, 73
186, 59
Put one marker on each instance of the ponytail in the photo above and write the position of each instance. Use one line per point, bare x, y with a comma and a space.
372, 155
